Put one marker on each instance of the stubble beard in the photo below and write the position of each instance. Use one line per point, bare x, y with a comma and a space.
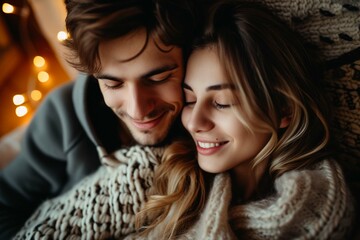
148, 137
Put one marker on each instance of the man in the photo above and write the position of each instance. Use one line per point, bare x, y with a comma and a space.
133, 52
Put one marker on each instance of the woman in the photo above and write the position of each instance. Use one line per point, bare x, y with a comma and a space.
256, 113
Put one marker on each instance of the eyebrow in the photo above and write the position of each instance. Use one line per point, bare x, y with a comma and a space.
216, 87
144, 76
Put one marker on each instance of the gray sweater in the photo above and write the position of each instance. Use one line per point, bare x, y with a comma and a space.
58, 150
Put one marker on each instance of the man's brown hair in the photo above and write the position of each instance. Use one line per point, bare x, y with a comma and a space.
90, 22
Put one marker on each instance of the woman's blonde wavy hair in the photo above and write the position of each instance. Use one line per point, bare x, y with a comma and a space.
178, 193
275, 77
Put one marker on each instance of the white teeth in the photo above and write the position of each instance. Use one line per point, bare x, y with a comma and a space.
208, 145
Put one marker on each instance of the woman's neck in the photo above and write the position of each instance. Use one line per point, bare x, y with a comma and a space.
245, 180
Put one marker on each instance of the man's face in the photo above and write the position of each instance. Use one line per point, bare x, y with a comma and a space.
145, 92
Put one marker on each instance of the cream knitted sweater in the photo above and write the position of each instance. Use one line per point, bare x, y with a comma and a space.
308, 204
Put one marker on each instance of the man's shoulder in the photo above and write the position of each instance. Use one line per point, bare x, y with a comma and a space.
61, 112
70, 96
67, 90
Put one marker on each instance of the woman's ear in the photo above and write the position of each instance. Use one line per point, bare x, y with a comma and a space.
285, 121
287, 115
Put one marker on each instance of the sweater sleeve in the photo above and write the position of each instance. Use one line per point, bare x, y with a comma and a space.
39, 171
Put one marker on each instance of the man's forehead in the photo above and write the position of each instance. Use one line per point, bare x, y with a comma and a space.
123, 48
143, 66
132, 45
139, 75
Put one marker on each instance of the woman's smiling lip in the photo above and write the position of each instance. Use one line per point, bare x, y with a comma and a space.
209, 148
147, 125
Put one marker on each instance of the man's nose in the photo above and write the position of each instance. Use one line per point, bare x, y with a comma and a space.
140, 102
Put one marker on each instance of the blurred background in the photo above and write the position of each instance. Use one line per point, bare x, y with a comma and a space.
32, 61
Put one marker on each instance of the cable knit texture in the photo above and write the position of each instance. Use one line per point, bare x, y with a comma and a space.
330, 25
103, 205
308, 204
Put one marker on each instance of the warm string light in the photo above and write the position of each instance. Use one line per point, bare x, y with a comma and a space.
61, 36
8, 8
36, 95
43, 76
20, 100
21, 111
11, 9
39, 62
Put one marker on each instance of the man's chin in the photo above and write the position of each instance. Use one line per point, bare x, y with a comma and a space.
148, 139
153, 136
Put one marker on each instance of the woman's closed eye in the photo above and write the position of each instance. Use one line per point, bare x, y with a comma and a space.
221, 105
189, 103
190, 98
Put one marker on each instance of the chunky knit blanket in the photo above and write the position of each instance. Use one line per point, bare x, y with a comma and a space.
103, 205
330, 25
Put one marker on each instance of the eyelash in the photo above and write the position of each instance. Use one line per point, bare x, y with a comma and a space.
113, 87
160, 80
221, 106
189, 103
150, 80
215, 104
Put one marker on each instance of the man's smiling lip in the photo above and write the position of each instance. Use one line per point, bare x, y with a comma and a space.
147, 125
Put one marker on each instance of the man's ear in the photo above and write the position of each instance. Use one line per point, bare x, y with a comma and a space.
285, 121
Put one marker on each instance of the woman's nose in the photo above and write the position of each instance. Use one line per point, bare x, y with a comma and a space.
198, 119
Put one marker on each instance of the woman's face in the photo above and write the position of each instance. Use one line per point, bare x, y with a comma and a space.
223, 142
